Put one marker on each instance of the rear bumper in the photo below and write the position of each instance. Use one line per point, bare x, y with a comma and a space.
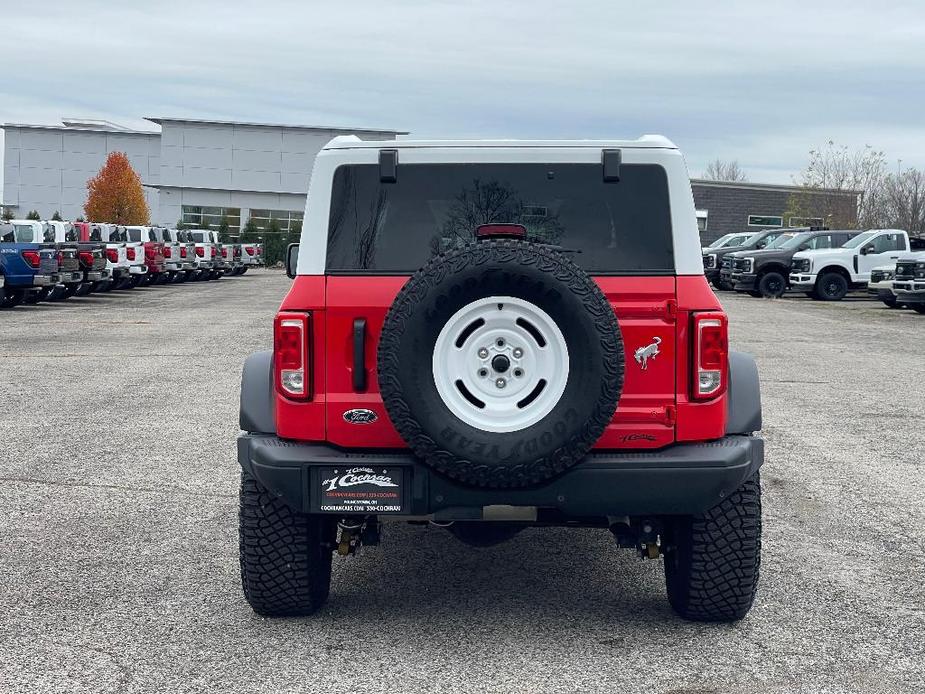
681, 479
138, 269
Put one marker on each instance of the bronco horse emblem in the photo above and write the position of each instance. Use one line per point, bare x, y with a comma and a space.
643, 354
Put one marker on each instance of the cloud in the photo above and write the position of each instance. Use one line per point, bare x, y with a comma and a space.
761, 83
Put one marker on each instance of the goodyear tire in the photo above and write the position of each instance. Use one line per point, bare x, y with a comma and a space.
500, 363
712, 560
285, 556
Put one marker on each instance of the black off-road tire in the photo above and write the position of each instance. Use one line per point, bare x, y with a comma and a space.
285, 556
772, 285
831, 286
755, 294
531, 272
891, 303
712, 560
918, 308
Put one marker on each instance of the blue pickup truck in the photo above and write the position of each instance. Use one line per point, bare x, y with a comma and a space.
27, 267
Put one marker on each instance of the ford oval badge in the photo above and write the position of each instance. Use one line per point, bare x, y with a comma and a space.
360, 416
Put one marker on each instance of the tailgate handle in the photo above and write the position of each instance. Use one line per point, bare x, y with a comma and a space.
359, 354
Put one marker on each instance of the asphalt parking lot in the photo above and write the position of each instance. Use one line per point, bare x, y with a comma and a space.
119, 545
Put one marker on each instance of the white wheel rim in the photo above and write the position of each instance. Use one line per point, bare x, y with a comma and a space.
515, 391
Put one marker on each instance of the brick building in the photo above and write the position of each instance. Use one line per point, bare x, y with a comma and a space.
725, 207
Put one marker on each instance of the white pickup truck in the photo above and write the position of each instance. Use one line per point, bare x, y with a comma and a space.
207, 249
829, 274
909, 281
118, 263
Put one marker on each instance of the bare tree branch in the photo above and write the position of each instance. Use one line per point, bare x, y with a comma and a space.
719, 170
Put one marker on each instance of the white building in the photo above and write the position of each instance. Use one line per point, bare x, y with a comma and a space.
194, 171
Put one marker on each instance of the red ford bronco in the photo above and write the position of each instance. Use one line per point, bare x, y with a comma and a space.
494, 335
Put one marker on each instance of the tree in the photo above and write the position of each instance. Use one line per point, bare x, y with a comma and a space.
56, 217
223, 230
835, 167
34, 215
7, 214
250, 232
115, 194
180, 224
904, 201
274, 248
719, 170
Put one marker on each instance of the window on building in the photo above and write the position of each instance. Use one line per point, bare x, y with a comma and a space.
761, 220
702, 217
807, 222
286, 220
198, 217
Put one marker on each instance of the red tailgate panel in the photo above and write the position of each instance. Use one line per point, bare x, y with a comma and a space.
646, 311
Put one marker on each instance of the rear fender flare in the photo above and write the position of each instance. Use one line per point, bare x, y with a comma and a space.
258, 404
743, 403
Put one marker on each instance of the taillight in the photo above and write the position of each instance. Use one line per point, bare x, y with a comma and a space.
291, 355
32, 258
711, 355
259, 251
60, 258
182, 251
225, 252
214, 250
86, 257
250, 251
167, 251
200, 251
149, 253
130, 253
112, 255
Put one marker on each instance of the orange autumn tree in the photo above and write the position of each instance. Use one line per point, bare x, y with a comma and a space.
115, 195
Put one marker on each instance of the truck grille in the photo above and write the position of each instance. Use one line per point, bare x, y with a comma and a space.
727, 262
880, 275
740, 264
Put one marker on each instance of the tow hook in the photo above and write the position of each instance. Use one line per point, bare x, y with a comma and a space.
354, 533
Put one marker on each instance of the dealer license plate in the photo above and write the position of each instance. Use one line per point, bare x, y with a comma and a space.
359, 489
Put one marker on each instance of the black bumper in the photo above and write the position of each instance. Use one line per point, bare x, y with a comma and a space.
744, 282
680, 479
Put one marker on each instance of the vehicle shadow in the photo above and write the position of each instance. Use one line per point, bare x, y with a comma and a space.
553, 575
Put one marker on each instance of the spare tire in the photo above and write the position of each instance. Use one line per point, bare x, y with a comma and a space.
500, 363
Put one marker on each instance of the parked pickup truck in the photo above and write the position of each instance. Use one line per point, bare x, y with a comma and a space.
188, 257
68, 271
27, 266
206, 251
251, 256
153, 253
828, 275
765, 273
909, 281
231, 252
117, 254
173, 263
91, 256
717, 265
728, 240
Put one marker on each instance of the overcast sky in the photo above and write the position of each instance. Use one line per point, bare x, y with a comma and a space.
758, 82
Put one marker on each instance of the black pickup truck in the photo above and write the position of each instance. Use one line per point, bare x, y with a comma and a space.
765, 272
717, 265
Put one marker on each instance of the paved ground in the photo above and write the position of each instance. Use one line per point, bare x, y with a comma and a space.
118, 551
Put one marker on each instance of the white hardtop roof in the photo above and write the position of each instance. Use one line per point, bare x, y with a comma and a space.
644, 142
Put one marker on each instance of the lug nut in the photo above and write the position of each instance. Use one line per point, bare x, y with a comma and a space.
483, 353
518, 353
500, 382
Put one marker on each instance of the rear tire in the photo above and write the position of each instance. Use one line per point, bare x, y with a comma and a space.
918, 308
285, 556
772, 285
10, 297
891, 303
831, 286
712, 560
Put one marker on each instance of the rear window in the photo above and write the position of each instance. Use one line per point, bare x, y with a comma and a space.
611, 228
